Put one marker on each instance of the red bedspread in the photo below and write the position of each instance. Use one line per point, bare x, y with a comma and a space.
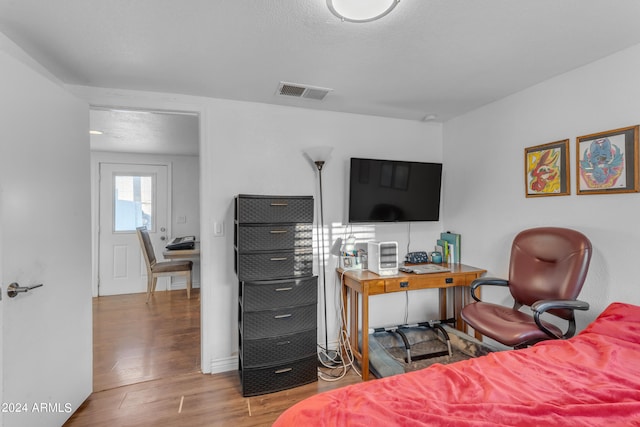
592, 379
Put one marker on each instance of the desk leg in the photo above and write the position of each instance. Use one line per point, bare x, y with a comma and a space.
365, 337
353, 324
443, 303
357, 319
353, 321
345, 311
457, 307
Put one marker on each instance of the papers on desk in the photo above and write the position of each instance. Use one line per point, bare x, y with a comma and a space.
425, 269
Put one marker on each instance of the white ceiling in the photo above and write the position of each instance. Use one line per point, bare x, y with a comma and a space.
442, 57
149, 132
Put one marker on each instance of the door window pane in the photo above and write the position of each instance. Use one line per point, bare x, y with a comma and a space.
133, 202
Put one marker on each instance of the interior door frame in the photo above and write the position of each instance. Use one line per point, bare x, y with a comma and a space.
108, 98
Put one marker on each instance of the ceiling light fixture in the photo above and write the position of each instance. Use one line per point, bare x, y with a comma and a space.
95, 132
361, 10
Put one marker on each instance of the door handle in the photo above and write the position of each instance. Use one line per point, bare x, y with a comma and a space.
14, 289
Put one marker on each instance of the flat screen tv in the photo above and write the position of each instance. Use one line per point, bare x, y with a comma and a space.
394, 191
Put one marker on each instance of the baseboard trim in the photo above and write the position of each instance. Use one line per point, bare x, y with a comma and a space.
224, 365
183, 285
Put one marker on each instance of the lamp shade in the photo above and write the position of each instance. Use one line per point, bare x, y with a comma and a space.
318, 154
361, 10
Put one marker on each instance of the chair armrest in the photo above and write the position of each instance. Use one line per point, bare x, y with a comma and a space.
539, 307
489, 281
550, 304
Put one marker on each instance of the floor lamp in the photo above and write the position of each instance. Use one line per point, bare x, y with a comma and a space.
319, 156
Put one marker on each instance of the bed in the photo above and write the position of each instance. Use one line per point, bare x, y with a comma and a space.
592, 379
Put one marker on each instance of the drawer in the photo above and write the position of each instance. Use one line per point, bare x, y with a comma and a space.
270, 294
266, 351
273, 209
251, 238
281, 321
424, 281
280, 377
275, 265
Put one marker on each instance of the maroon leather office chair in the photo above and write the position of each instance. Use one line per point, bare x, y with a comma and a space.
547, 269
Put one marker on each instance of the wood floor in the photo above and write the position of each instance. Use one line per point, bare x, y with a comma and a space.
147, 371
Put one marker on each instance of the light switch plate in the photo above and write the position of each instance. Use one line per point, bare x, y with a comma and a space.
218, 229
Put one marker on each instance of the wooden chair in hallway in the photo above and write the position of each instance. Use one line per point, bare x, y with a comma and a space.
165, 268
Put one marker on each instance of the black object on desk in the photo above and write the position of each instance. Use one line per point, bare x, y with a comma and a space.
179, 243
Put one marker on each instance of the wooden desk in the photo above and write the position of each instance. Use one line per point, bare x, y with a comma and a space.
183, 253
363, 283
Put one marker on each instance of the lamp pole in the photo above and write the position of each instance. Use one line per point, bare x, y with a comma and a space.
319, 165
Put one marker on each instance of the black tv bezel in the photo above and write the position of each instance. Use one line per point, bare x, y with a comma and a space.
350, 220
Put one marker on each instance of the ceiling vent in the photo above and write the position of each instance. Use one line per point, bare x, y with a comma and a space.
302, 91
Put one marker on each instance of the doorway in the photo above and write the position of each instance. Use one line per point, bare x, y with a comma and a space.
145, 154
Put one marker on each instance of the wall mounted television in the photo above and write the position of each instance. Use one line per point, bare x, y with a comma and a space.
394, 191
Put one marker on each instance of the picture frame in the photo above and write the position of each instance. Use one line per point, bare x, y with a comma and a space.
607, 162
546, 169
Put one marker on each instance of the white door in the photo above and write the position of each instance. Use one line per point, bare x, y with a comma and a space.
45, 238
131, 195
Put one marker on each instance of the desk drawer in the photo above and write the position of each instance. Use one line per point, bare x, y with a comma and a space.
423, 282
270, 294
251, 238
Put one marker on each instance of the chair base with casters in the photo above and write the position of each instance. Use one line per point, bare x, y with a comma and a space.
165, 268
547, 269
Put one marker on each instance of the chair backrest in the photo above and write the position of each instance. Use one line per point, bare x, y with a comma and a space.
548, 263
147, 247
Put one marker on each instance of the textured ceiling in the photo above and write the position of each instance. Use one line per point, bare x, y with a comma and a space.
144, 132
442, 57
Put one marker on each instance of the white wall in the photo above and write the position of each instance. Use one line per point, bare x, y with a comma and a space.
185, 199
258, 149
485, 191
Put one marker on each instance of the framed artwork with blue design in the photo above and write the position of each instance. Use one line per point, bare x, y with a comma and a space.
607, 162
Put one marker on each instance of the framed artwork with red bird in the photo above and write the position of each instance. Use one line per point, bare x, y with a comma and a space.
546, 169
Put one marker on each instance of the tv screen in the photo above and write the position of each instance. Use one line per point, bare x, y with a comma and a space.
394, 191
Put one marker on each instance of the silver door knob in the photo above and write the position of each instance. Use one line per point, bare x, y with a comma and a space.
14, 289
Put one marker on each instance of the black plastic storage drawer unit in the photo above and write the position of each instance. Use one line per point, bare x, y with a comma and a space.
277, 292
